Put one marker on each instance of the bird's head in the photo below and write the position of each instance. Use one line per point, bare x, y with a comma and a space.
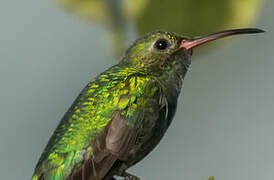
156, 50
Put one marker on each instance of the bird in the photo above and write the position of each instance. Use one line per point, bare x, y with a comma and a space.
122, 114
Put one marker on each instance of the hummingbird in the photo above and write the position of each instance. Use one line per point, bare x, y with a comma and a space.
123, 113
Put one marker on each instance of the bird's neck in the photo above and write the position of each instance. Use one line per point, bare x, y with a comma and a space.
170, 76
173, 74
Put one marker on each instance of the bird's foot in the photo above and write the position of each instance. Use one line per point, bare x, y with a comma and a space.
128, 176
132, 178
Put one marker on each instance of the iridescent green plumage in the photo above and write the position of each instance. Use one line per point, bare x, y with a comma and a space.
91, 112
122, 114
135, 89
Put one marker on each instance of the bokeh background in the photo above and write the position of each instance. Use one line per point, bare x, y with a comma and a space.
224, 124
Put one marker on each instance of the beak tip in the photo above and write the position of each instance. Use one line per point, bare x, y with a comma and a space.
256, 30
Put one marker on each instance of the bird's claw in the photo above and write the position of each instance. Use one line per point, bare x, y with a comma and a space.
131, 177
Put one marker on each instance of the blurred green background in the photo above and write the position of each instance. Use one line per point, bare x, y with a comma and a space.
191, 17
225, 119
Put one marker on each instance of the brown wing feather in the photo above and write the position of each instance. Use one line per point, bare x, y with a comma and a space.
114, 143
120, 138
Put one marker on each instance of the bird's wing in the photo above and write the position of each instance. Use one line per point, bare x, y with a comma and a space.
96, 128
115, 142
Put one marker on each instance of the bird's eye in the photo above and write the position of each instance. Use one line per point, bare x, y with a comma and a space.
161, 44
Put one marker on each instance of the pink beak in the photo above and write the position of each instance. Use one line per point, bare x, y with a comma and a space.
191, 43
